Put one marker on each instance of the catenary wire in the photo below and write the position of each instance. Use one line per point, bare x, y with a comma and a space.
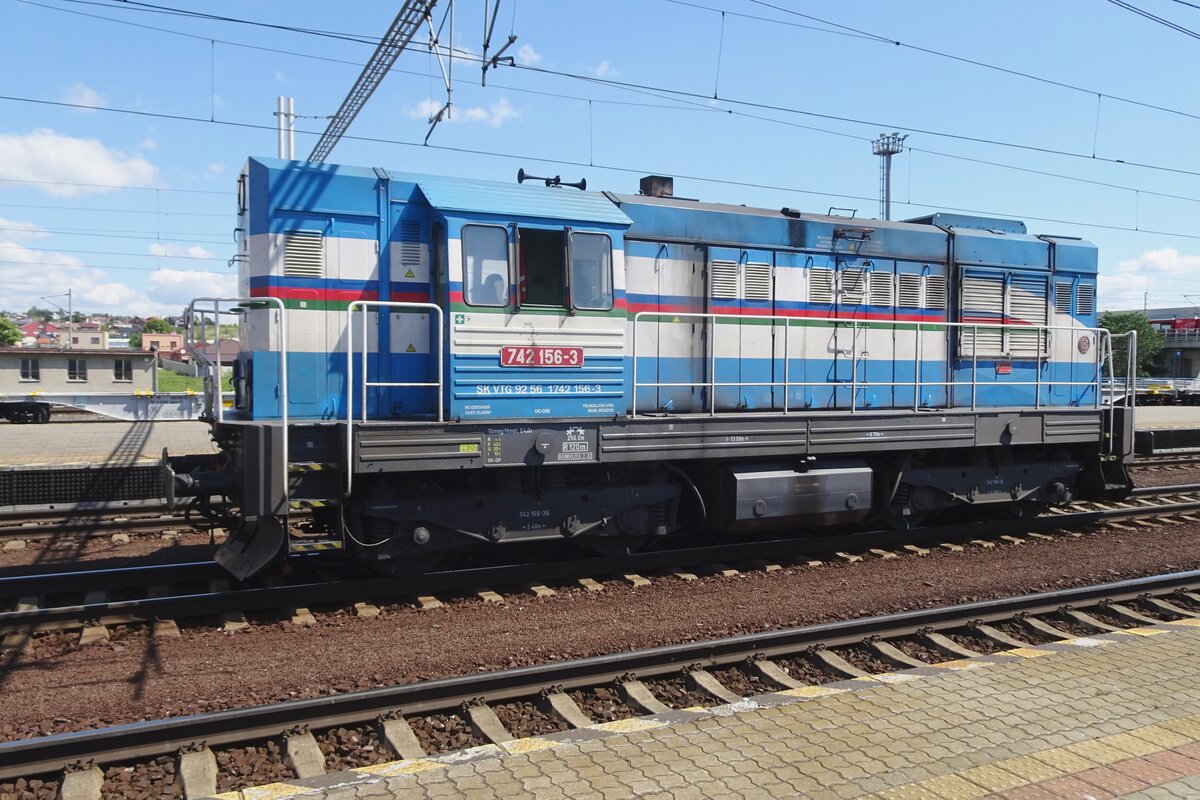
695, 105
570, 162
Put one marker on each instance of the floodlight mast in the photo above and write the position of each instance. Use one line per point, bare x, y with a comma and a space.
886, 146
411, 15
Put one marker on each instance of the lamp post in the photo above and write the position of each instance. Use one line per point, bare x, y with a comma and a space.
70, 312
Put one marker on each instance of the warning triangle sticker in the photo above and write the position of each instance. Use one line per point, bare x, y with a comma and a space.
675, 320
409, 274
410, 348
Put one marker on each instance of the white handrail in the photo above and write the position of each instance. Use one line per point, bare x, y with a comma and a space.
281, 324
363, 306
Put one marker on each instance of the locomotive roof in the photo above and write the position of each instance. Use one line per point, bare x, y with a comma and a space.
996, 225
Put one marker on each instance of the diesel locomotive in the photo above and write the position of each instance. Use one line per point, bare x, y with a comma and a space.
431, 363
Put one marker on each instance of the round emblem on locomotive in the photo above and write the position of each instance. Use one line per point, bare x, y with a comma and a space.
1085, 344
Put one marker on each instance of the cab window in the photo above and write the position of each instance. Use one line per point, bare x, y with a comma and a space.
485, 265
543, 279
591, 271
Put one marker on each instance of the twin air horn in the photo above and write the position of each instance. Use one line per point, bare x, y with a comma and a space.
557, 180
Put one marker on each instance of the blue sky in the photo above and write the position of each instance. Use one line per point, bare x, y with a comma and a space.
117, 198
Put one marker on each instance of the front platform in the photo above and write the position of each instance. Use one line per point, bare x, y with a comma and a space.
1117, 715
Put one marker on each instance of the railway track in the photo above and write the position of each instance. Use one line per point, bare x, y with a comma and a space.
90, 600
712, 673
1167, 460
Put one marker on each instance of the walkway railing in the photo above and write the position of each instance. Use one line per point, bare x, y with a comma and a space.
970, 337
362, 307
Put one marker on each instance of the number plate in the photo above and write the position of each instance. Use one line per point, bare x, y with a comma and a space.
541, 356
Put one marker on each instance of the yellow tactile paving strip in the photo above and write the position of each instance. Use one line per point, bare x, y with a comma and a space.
1025, 724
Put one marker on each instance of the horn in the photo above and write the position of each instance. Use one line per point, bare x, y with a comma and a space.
581, 186
521, 176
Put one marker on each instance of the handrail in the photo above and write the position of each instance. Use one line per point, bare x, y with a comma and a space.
281, 324
1097, 358
363, 306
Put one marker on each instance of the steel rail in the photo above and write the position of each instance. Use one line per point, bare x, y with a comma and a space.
122, 743
112, 578
464, 580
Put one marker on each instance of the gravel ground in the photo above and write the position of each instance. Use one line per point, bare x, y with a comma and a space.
1166, 477
135, 677
676, 693
99, 552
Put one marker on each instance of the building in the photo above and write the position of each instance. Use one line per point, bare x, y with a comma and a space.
88, 335
161, 342
60, 371
1180, 327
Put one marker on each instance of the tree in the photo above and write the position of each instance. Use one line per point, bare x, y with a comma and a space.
10, 334
135, 341
156, 325
1149, 341
42, 314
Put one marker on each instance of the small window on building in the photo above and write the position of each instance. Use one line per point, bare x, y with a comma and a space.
591, 271
543, 279
76, 370
95, 340
31, 369
485, 265
123, 370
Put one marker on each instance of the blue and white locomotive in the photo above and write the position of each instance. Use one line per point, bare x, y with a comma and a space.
429, 363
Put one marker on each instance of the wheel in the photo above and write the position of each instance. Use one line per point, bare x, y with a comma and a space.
43, 415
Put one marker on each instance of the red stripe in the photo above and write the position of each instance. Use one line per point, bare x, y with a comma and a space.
288, 293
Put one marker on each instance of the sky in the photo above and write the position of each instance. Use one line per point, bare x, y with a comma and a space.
123, 125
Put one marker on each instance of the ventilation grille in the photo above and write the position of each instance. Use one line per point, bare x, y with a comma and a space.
304, 254
880, 287
724, 280
910, 290
1085, 299
410, 243
982, 298
1062, 298
935, 292
758, 281
854, 286
821, 288
1027, 304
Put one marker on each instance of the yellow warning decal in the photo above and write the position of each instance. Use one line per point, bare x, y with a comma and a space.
471, 447
409, 274
676, 319
410, 348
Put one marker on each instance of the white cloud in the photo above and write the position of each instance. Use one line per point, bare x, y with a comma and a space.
149, 144
175, 288
280, 77
26, 275
57, 164
218, 101
81, 94
17, 231
494, 115
179, 251
1156, 272
214, 169
603, 70
527, 55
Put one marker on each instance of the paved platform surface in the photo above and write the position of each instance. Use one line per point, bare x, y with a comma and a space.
132, 442
1117, 715
1168, 417
114, 442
